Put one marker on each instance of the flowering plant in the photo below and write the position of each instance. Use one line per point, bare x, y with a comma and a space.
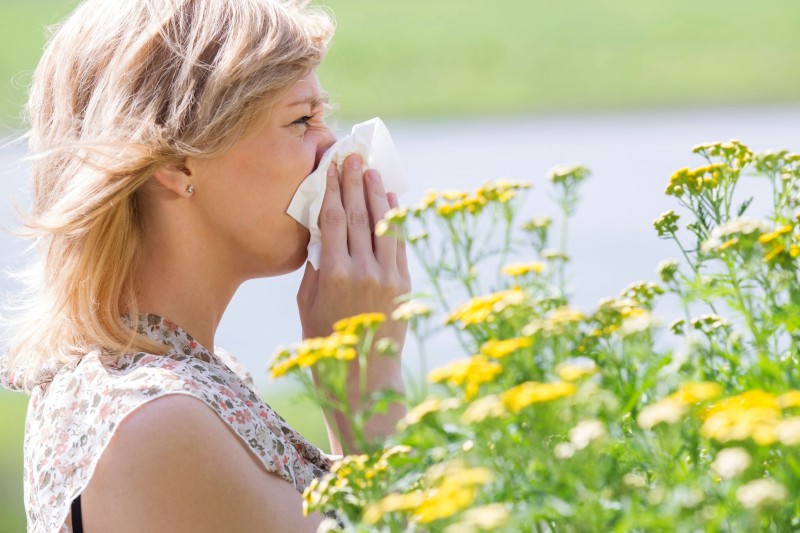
563, 419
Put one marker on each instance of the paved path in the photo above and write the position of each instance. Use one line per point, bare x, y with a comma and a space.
612, 242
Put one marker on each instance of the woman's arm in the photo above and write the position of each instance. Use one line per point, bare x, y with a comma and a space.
383, 372
174, 466
359, 272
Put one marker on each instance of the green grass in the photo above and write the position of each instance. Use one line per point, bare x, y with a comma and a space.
420, 58
300, 414
12, 415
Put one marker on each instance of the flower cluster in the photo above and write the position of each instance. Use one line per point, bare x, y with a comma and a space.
672, 408
695, 181
339, 346
450, 488
485, 308
469, 373
560, 420
667, 223
734, 154
756, 415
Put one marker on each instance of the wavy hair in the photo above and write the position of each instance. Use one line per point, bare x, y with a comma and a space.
124, 87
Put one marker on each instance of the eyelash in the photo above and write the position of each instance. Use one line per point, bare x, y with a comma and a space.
304, 120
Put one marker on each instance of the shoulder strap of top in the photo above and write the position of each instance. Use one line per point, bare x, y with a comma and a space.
77, 515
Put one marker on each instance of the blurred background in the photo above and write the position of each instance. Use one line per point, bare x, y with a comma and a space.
474, 90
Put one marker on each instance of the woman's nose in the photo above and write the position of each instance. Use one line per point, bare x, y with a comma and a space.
327, 139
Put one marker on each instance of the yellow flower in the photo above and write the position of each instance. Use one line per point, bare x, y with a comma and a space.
663, 411
500, 348
453, 195
790, 399
481, 308
775, 252
355, 323
771, 236
470, 372
694, 392
555, 322
429, 199
565, 315
444, 501
671, 409
429, 405
454, 489
408, 310
486, 517
396, 215
306, 354
448, 210
576, 368
788, 431
520, 269
392, 503
752, 414
525, 394
488, 406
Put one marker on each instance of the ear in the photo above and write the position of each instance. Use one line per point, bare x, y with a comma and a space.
175, 177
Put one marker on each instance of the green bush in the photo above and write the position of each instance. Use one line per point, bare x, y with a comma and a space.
563, 420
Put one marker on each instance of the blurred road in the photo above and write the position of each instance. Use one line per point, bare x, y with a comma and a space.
611, 241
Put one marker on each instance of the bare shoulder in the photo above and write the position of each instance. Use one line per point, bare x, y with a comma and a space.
174, 465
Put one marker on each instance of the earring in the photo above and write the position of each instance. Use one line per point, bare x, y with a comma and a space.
190, 188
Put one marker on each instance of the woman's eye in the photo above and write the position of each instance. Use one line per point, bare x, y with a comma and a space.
304, 120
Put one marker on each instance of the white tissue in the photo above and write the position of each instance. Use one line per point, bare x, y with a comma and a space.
372, 141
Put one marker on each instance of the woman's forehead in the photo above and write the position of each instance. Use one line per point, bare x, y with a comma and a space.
305, 91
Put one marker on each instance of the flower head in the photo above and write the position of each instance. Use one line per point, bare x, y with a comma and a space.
470, 373
530, 392
666, 224
489, 406
752, 414
482, 308
500, 348
358, 323
761, 493
521, 269
568, 174
576, 368
410, 309
731, 462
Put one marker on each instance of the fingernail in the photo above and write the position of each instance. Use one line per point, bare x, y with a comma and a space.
354, 162
332, 170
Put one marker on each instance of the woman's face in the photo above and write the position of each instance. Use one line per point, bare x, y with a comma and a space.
245, 192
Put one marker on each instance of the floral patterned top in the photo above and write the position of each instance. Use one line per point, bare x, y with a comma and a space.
72, 416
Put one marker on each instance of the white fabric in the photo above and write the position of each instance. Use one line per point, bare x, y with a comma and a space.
370, 139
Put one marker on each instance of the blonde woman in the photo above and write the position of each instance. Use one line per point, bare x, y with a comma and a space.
169, 137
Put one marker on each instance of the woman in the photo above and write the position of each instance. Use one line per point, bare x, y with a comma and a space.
170, 137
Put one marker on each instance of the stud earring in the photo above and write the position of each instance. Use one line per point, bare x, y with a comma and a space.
190, 188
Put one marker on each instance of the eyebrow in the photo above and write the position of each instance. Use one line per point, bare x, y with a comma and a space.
315, 101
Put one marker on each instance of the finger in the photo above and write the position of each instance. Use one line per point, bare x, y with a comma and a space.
332, 220
359, 237
402, 256
386, 246
308, 286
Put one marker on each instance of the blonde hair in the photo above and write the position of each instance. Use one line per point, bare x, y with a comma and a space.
124, 87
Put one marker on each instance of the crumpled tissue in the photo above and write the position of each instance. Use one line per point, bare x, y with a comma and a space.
372, 141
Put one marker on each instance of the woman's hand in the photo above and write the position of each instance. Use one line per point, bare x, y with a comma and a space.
359, 272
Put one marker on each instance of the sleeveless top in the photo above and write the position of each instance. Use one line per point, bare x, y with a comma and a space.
73, 413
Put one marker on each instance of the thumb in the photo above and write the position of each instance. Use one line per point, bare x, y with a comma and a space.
308, 285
